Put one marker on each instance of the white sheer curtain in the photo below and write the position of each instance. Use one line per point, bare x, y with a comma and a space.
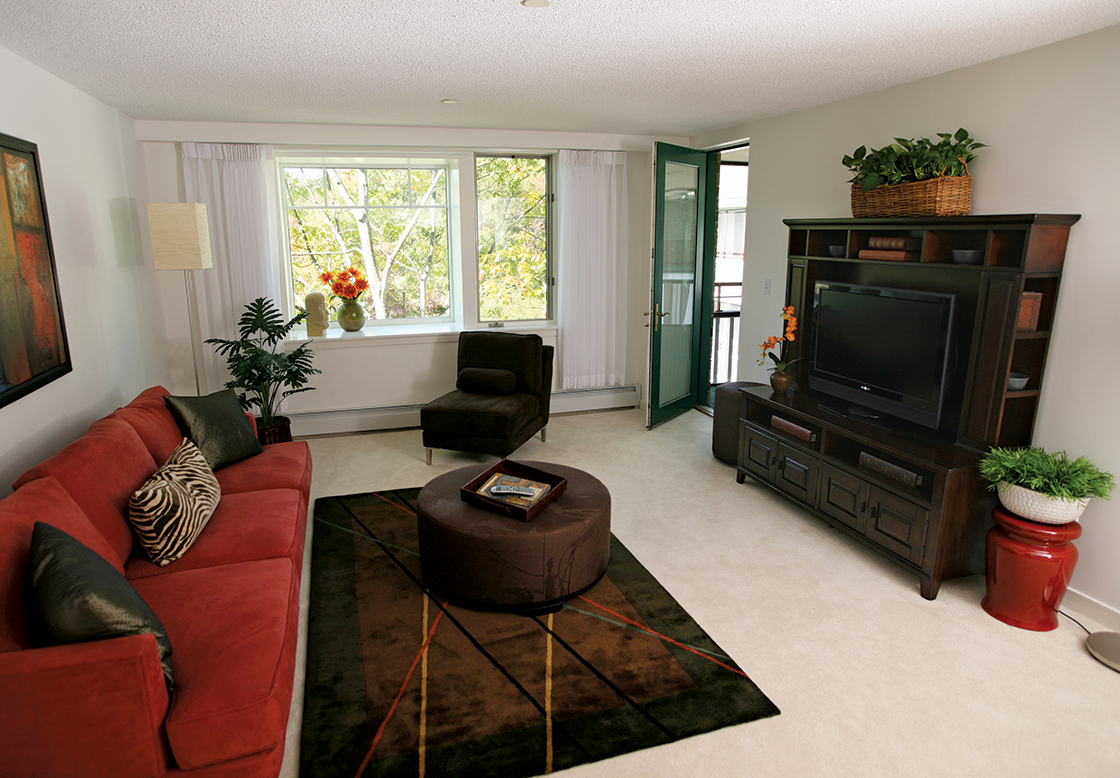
239, 187
592, 245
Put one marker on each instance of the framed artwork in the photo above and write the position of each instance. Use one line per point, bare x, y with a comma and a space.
33, 348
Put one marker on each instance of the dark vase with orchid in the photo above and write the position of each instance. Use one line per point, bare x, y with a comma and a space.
780, 376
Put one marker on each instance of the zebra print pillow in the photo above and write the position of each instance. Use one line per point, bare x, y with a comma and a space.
172, 507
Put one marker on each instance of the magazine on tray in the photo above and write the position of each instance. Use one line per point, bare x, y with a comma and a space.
538, 489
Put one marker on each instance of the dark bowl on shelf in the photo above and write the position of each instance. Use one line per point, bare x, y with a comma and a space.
836, 251
968, 256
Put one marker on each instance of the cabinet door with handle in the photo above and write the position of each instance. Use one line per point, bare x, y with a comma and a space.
796, 473
897, 524
757, 452
844, 497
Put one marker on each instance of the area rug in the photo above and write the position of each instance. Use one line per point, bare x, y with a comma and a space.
400, 683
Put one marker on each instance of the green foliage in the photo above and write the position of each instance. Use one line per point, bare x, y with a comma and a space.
258, 369
512, 238
780, 365
391, 223
909, 160
1055, 475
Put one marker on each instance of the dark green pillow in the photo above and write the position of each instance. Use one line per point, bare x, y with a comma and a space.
217, 425
80, 596
486, 380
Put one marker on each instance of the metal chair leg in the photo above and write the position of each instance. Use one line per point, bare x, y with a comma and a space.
429, 455
542, 434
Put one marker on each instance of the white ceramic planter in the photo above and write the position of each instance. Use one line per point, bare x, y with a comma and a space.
1039, 507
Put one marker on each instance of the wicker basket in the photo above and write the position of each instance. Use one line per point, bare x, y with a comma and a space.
280, 431
945, 196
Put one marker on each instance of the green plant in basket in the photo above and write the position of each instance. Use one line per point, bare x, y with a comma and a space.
909, 160
1053, 475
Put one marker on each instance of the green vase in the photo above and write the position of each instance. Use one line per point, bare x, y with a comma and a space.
351, 315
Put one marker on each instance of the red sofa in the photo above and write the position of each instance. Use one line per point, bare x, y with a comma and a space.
230, 607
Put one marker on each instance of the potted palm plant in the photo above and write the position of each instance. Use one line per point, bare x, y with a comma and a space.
264, 374
1038, 485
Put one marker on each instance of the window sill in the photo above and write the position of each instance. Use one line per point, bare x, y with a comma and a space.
390, 335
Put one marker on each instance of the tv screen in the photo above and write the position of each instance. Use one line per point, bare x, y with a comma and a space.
887, 350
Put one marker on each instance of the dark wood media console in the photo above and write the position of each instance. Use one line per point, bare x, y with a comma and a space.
910, 492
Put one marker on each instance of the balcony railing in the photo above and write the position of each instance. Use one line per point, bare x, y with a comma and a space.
725, 332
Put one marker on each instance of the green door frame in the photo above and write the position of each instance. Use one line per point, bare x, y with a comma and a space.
702, 304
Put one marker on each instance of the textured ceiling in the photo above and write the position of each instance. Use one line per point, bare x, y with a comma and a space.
672, 67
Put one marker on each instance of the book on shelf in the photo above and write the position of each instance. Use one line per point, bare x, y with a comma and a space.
796, 430
891, 254
894, 243
539, 488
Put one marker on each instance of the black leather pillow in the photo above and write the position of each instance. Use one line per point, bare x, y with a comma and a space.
81, 597
486, 380
216, 424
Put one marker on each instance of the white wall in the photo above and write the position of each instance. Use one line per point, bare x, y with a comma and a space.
375, 382
94, 185
1052, 118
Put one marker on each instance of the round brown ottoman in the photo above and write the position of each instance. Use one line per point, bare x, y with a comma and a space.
486, 560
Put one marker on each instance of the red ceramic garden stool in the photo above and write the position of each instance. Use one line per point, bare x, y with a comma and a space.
1029, 566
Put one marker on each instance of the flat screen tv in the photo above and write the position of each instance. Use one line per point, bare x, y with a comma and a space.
886, 350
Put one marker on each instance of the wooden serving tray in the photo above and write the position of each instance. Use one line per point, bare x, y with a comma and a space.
470, 491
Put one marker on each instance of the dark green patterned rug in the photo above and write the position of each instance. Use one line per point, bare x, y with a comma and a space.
401, 684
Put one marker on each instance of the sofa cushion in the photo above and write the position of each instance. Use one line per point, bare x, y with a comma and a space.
486, 380
101, 470
245, 527
234, 630
149, 415
279, 466
40, 500
80, 597
479, 415
217, 425
172, 507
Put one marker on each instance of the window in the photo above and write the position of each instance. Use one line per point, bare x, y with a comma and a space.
404, 222
389, 220
513, 268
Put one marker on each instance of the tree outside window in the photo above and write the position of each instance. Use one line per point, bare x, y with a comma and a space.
389, 222
513, 252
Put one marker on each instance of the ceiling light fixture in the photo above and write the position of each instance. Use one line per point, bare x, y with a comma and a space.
536, 3
449, 101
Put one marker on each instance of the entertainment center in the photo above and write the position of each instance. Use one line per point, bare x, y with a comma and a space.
974, 296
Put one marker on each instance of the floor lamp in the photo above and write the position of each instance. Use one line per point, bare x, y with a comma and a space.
181, 241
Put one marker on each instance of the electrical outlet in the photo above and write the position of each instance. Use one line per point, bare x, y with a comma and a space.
766, 286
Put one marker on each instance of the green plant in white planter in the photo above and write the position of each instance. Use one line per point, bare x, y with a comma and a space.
1045, 487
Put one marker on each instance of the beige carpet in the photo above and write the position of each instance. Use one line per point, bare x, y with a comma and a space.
872, 680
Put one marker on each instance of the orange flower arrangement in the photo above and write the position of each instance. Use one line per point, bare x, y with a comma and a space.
773, 341
348, 284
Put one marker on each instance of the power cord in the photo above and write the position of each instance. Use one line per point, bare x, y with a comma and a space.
1075, 621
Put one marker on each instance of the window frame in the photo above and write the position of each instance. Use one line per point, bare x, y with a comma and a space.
463, 273
550, 254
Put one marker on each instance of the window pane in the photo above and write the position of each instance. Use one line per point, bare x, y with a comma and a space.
368, 218
512, 238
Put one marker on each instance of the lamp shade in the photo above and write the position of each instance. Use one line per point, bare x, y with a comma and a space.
180, 236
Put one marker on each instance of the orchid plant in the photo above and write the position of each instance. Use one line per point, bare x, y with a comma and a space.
771, 343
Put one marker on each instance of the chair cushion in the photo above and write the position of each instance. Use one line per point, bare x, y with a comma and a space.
101, 470
479, 415
216, 424
170, 510
486, 380
234, 629
80, 597
520, 354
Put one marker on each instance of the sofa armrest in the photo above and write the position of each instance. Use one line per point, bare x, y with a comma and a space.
89, 709
252, 422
